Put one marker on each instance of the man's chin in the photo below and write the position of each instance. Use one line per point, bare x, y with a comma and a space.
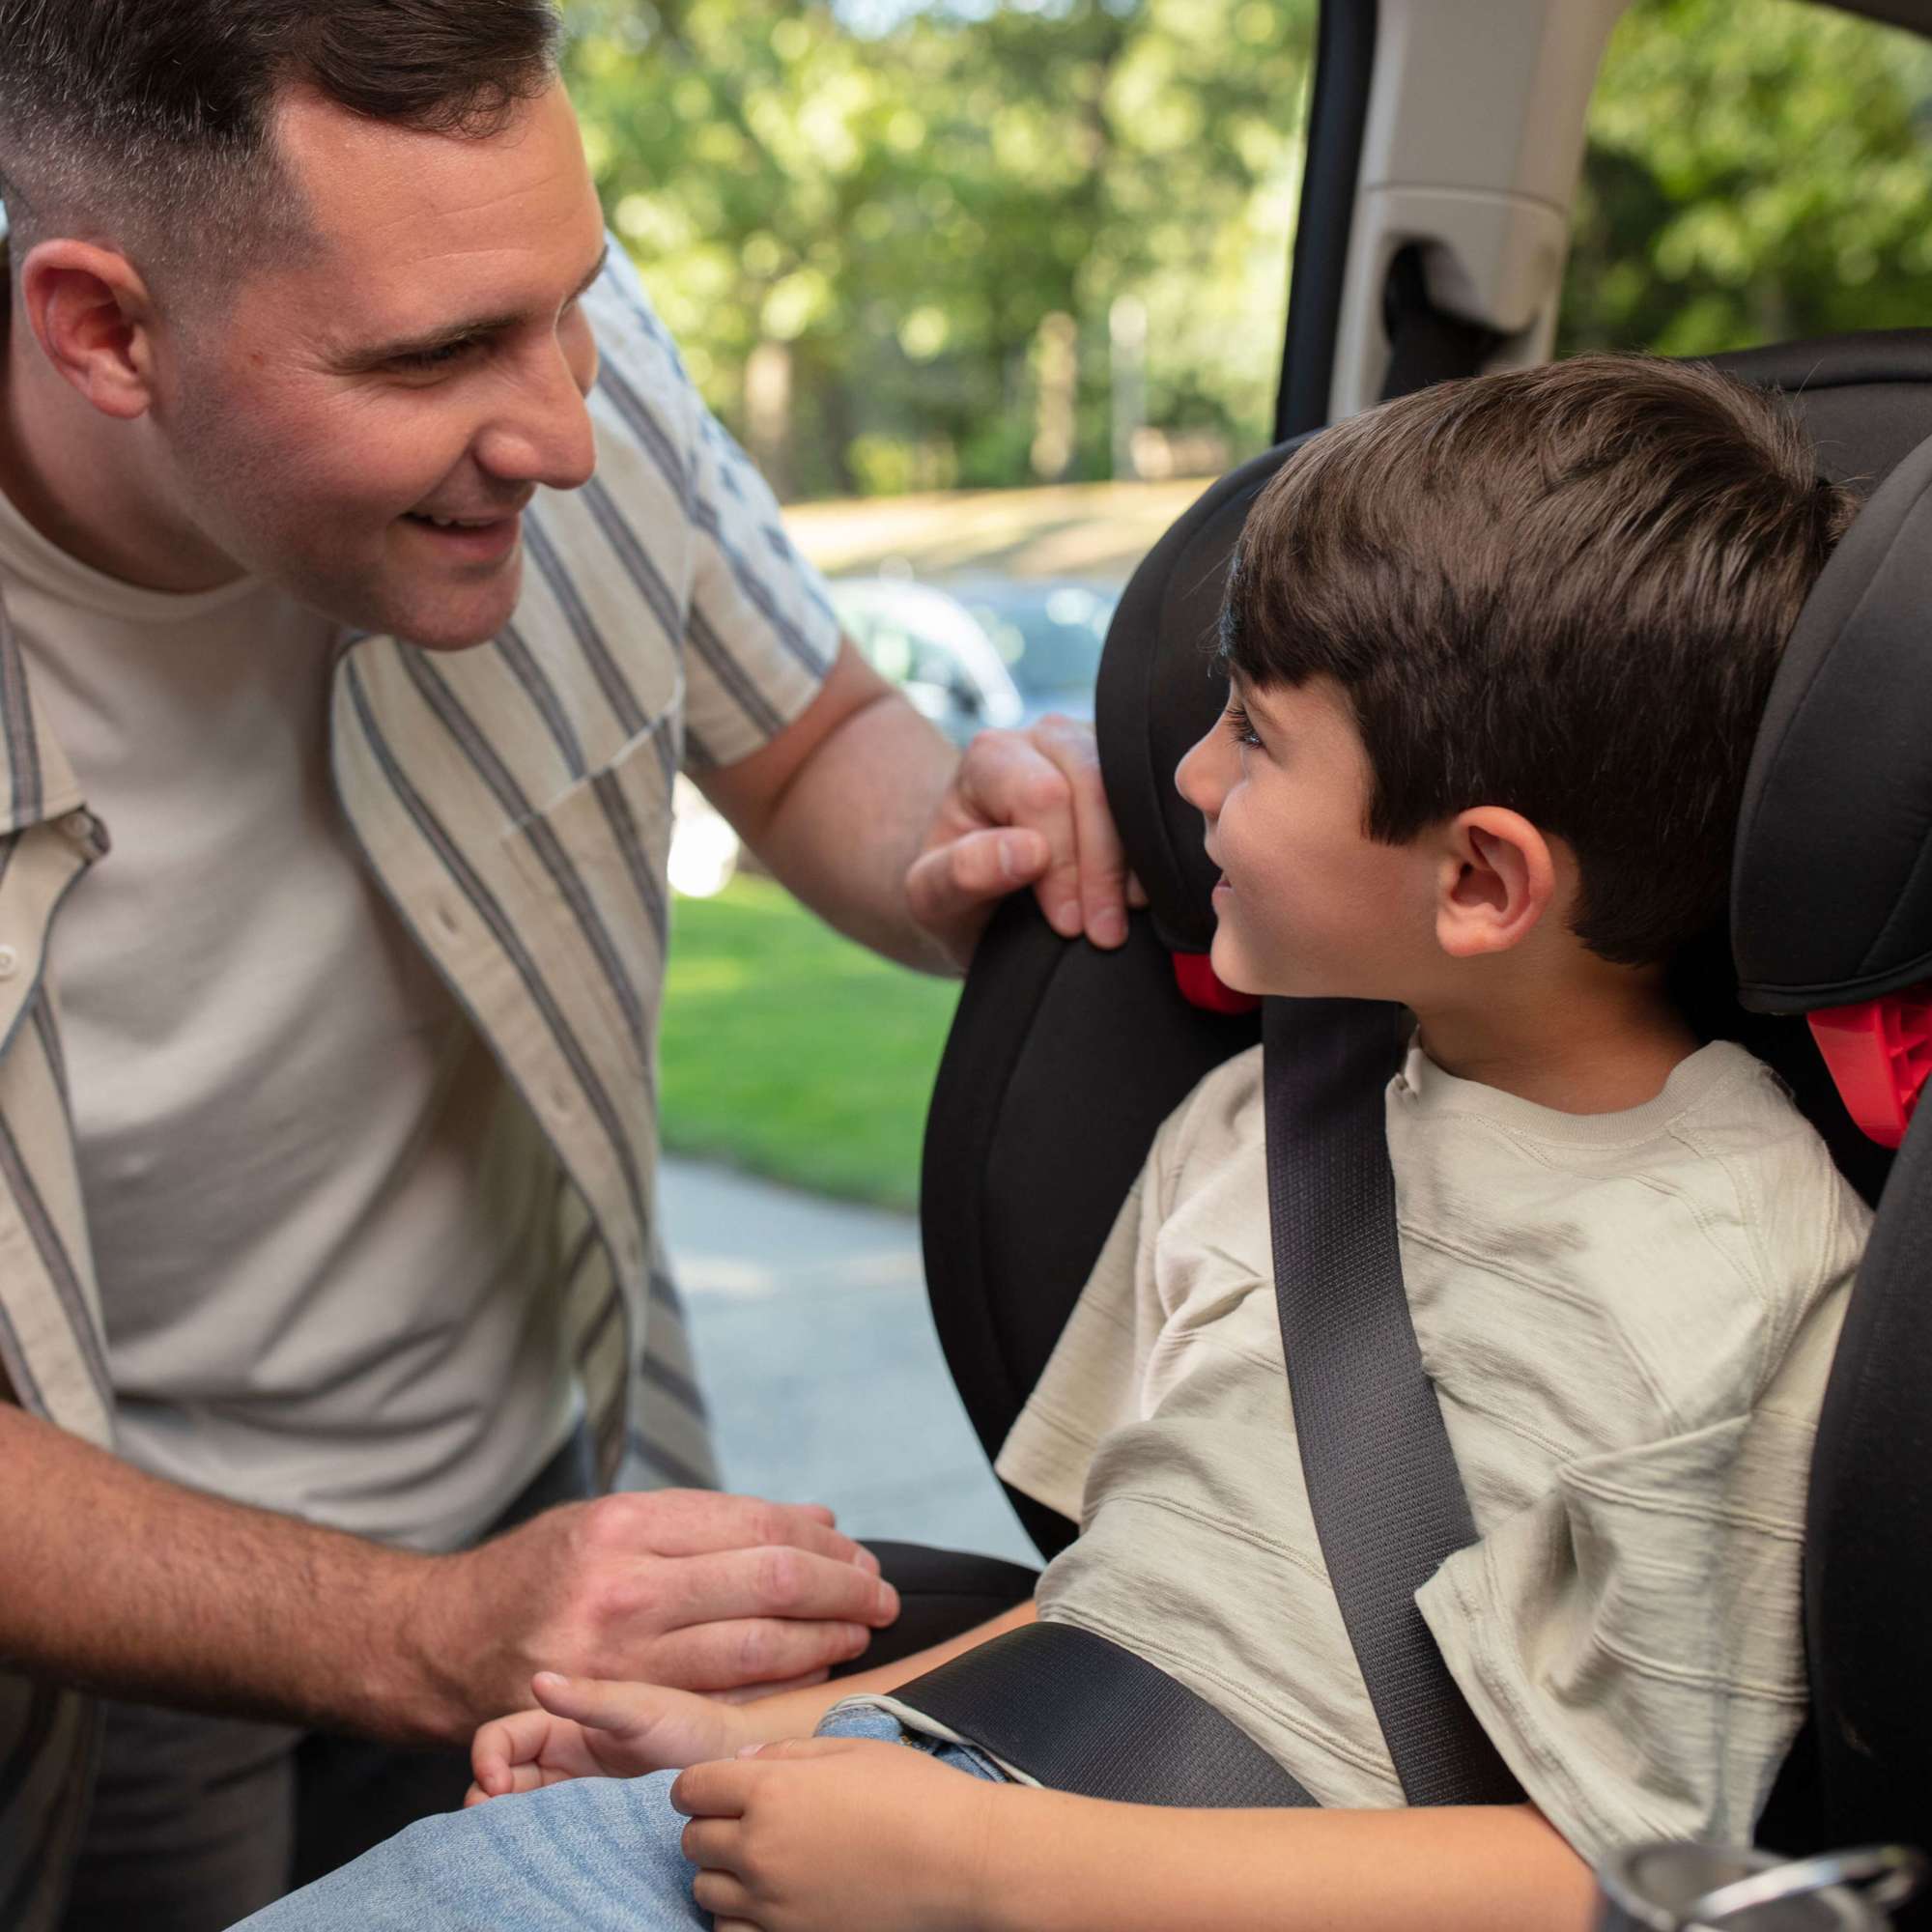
457, 617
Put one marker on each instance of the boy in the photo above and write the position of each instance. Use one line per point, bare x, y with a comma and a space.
1497, 655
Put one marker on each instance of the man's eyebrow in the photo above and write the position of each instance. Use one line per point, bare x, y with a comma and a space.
403, 348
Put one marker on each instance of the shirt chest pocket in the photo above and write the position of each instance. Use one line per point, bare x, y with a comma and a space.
592, 865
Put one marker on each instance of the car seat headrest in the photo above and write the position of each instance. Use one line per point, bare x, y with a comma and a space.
1832, 885
1161, 688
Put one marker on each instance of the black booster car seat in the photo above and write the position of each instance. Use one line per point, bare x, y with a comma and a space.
1063, 1061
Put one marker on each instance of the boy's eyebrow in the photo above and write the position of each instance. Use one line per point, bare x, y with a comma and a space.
404, 347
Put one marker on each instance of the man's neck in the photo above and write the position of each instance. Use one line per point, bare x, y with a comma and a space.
78, 477
1593, 1048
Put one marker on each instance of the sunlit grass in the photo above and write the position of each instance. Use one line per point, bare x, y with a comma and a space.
792, 1053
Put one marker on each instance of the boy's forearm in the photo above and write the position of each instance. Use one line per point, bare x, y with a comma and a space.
1058, 1864
795, 1713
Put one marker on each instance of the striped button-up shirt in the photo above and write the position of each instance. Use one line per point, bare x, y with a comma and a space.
515, 801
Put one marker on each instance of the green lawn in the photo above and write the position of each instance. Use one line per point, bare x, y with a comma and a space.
793, 1053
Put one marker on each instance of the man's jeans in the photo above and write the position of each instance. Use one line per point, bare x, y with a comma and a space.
597, 1855
198, 1821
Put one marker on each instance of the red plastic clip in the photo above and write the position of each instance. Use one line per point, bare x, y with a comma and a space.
1201, 987
1880, 1052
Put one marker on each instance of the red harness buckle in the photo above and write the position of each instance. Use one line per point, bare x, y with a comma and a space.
1201, 987
1880, 1052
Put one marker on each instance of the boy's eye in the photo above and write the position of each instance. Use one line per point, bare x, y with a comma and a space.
1236, 719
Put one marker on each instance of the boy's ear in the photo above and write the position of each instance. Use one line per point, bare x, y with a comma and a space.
1496, 879
89, 310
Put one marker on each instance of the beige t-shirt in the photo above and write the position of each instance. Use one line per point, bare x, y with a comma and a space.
1628, 1319
323, 1223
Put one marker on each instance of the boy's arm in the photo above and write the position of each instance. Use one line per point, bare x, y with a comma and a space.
795, 1713
1068, 1864
854, 1836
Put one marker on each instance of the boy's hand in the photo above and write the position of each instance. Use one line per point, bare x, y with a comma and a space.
590, 1728
839, 1834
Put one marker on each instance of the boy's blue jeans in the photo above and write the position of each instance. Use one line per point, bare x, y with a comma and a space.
597, 1855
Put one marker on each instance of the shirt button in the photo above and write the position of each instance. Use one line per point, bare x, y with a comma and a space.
10, 961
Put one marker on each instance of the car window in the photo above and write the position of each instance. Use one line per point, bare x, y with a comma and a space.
1757, 170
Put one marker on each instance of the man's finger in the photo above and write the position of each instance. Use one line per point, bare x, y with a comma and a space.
971, 872
783, 1581
695, 1522
1006, 779
744, 1693
754, 1651
1098, 877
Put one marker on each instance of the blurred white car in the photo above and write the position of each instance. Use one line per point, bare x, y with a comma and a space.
932, 647
985, 654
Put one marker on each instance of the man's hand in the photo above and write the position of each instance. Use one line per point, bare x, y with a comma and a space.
839, 1835
1025, 809
585, 1727
674, 1587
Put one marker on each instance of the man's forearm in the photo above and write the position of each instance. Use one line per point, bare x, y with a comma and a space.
1056, 1864
846, 828
121, 1583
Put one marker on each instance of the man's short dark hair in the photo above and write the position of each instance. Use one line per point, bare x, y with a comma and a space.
1561, 591
151, 121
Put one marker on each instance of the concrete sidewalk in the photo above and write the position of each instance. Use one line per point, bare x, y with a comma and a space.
817, 1349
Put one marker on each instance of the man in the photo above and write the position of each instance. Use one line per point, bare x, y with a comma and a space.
370, 569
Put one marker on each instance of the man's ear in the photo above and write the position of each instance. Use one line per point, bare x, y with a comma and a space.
93, 316
1496, 879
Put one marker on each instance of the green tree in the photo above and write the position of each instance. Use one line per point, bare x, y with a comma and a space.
1757, 169
899, 212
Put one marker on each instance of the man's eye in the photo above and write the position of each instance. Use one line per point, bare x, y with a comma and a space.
426, 360
1236, 719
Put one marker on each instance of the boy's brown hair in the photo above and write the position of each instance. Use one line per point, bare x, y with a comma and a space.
1562, 590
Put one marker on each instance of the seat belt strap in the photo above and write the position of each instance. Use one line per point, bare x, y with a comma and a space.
1388, 1500
1080, 1714
1426, 345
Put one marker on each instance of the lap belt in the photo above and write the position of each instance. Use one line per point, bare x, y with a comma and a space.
1081, 1714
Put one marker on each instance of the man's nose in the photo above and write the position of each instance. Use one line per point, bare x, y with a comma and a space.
545, 436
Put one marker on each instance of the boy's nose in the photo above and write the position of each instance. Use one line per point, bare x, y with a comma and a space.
1197, 778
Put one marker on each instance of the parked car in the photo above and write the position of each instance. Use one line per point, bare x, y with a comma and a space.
990, 653
930, 645
1049, 633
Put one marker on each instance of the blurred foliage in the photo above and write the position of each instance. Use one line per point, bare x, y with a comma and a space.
1757, 169
903, 207
898, 192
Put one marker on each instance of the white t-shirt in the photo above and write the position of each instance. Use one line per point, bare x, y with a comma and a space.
323, 1222
1628, 1319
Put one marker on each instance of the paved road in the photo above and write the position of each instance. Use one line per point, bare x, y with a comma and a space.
817, 1349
